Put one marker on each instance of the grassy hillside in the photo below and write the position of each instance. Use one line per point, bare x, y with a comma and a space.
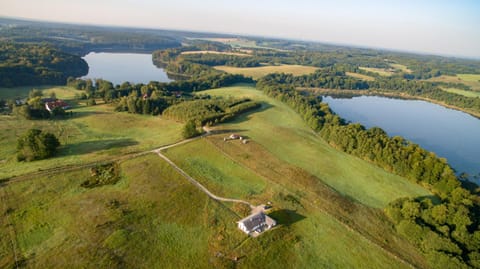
94, 133
282, 132
153, 218
57, 223
257, 72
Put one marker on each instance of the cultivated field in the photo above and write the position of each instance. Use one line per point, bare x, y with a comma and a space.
258, 72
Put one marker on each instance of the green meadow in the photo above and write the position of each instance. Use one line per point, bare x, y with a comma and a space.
92, 134
282, 132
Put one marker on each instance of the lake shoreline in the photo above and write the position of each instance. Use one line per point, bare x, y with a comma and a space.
402, 96
450, 134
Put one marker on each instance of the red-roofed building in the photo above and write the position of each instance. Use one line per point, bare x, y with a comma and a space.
50, 106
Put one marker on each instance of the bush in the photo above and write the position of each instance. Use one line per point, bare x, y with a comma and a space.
190, 130
36, 145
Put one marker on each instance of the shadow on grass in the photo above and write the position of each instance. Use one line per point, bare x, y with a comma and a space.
245, 116
286, 217
97, 145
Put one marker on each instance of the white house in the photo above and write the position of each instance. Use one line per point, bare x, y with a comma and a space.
256, 223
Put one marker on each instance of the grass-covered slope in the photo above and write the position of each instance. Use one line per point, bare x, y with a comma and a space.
93, 133
281, 131
154, 218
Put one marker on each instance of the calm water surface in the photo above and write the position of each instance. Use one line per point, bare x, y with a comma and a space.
449, 133
121, 67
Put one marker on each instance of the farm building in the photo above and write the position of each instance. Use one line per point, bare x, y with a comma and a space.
50, 106
256, 223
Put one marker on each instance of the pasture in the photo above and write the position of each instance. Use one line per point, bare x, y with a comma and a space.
260, 71
62, 92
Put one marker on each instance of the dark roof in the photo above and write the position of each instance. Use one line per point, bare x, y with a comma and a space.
252, 222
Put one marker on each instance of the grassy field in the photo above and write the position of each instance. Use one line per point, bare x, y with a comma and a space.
62, 92
258, 72
472, 80
380, 71
281, 131
53, 222
401, 67
215, 170
360, 76
93, 134
216, 52
462, 92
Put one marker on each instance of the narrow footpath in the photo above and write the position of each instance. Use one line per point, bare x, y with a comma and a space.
191, 179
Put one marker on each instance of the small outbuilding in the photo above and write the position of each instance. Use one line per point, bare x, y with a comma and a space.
256, 223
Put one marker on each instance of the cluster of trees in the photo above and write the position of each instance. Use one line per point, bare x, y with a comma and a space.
35, 108
154, 97
209, 111
36, 145
446, 231
23, 64
453, 237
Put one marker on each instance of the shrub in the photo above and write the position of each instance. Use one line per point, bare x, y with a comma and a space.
36, 145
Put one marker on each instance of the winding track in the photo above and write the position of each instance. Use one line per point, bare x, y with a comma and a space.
191, 179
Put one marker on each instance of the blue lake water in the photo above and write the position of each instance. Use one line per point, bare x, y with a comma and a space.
449, 133
121, 67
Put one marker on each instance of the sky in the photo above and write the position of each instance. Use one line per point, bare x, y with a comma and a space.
428, 26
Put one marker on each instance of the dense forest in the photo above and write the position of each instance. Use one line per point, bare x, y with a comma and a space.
26, 64
80, 40
445, 227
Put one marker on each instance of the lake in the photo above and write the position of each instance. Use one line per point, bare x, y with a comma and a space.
449, 133
121, 67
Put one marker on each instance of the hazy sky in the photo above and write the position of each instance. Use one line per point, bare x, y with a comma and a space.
431, 26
